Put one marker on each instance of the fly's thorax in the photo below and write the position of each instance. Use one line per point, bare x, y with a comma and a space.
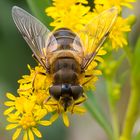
65, 70
66, 44
52, 57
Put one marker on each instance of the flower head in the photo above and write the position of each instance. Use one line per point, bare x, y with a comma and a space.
117, 3
25, 116
27, 111
117, 35
73, 18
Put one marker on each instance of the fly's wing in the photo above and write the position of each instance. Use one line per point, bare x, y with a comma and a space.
95, 33
35, 34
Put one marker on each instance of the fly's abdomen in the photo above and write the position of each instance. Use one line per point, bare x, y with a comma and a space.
65, 70
65, 76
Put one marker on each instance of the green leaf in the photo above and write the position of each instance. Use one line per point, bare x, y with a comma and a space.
38, 8
97, 113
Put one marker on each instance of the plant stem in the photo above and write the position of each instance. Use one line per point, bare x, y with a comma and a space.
132, 110
113, 110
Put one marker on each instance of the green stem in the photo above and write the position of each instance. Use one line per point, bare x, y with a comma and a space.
132, 110
113, 110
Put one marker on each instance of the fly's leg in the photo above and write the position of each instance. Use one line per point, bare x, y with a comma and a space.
90, 78
47, 100
33, 81
34, 58
43, 64
52, 104
84, 97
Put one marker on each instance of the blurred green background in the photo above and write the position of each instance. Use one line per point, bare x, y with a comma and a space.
14, 57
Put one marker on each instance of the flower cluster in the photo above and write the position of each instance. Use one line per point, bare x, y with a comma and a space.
117, 37
29, 109
75, 15
68, 14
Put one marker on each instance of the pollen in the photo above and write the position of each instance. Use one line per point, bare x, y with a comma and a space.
27, 121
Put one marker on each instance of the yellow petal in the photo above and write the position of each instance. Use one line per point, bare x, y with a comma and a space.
100, 59
97, 72
45, 123
101, 52
29, 67
11, 126
65, 119
54, 117
16, 134
9, 103
79, 110
12, 120
36, 132
28, 106
10, 96
25, 136
31, 136
9, 110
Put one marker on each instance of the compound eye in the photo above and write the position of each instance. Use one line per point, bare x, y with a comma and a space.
77, 91
55, 91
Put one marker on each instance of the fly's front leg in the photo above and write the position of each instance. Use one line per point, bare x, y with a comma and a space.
47, 100
43, 63
84, 97
33, 81
34, 58
90, 78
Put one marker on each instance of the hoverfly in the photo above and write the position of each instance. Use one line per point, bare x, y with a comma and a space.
62, 53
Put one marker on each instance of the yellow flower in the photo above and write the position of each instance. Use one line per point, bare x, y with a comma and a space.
61, 6
72, 18
117, 35
33, 91
35, 86
117, 3
25, 115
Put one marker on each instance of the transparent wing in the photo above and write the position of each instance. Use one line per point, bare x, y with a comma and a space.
95, 33
77, 46
34, 32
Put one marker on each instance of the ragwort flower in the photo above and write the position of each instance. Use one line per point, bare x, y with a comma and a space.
117, 36
117, 3
26, 112
72, 18
60, 7
25, 116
